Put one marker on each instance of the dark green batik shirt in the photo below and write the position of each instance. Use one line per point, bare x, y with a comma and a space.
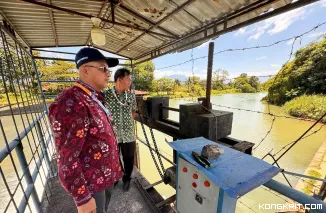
121, 113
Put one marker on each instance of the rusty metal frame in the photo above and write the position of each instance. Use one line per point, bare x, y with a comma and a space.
90, 16
36, 48
158, 52
7, 20
145, 19
204, 28
158, 23
53, 24
186, 11
70, 53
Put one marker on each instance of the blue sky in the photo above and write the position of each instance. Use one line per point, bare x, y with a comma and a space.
263, 61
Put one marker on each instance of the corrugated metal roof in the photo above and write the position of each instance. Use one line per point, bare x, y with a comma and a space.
43, 27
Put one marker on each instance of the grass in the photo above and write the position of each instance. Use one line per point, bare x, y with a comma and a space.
13, 100
308, 185
188, 95
227, 91
307, 106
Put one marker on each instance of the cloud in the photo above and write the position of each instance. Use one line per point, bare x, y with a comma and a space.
323, 3
204, 45
275, 65
240, 31
259, 32
317, 34
59, 55
261, 58
203, 75
46, 54
53, 55
290, 42
278, 24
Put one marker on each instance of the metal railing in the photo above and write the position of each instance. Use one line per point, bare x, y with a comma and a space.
26, 141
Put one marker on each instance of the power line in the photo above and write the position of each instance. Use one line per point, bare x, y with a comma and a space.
300, 138
283, 67
229, 79
303, 180
314, 132
265, 113
249, 48
303, 176
268, 132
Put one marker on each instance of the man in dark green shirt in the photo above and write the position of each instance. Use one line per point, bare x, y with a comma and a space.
122, 104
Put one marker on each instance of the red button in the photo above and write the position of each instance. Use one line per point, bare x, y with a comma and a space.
206, 183
194, 185
195, 176
185, 169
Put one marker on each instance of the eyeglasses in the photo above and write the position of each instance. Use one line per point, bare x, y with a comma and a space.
102, 69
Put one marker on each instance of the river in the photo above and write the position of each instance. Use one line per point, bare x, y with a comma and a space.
251, 127
247, 126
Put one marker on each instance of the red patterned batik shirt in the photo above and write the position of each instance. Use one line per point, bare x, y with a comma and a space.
88, 157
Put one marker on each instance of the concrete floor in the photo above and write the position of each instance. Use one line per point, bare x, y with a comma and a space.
121, 202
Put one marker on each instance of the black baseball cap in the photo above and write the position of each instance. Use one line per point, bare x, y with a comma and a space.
88, 54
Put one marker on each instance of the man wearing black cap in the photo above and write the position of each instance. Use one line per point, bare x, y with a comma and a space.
88, 157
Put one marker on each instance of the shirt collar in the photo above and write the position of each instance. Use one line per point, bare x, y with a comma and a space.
91, 88
116, 92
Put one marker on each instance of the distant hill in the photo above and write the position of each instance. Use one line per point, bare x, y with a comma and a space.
177, 76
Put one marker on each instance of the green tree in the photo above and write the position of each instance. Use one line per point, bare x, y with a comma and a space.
144, 75
165, 85
254, 82
195, 86
242, 83
58, 70
243, 75
218, 79
177, 82
176, 85
305, 74
155, 87
16, 70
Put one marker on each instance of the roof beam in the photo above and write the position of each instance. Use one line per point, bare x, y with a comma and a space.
52, 24
159, 22
289, 7
7, 20
102, 24
102, 19
194, 17
143, 18
230, 16
77, 45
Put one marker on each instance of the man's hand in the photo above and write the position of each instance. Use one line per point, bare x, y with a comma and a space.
89, 207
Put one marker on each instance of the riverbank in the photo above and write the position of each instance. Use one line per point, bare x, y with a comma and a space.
316, 168
178, 95
307, 106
